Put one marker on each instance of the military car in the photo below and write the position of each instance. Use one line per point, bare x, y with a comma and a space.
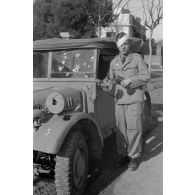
73, 112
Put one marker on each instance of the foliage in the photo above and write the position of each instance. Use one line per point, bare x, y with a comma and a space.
52, 17
146, 48
139, 30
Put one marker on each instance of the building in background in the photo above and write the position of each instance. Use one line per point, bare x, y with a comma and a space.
127, 23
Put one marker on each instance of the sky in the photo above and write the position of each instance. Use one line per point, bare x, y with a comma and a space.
135, 7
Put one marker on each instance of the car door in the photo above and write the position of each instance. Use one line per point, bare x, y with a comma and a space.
105, 105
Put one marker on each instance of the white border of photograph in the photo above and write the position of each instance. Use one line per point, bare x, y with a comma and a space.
16, 97
179, 98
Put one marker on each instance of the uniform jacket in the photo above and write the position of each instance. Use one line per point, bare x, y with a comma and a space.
134, 68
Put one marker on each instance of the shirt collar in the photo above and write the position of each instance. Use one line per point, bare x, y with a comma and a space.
128, 60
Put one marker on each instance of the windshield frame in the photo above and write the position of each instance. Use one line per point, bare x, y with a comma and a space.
50, 55
43, 78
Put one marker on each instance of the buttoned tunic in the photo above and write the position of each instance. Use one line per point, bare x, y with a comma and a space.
128, 107
134, 68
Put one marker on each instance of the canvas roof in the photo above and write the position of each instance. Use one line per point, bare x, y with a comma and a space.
101, 43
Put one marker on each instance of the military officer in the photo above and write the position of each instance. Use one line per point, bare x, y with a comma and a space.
128, 72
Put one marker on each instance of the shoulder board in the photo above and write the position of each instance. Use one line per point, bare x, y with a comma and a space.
136, 54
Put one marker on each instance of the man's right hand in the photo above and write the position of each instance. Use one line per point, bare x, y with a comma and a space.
106, 84
99, 82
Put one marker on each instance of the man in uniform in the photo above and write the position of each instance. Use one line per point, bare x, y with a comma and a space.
128, 72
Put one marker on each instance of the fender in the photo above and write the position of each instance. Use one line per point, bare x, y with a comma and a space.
50, 136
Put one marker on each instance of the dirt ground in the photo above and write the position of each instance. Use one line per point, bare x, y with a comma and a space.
148, 178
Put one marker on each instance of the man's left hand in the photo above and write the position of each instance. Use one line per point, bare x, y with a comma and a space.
125, 82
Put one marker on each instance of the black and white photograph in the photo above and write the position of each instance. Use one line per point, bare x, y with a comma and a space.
111, 84
98, 97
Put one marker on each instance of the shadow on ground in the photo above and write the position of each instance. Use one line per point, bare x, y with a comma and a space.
104, 173
156, 74
153, 140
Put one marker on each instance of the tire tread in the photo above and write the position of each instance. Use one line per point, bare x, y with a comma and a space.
63, 172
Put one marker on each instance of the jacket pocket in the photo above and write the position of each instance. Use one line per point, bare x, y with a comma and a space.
133, 116
134, 122
131, 71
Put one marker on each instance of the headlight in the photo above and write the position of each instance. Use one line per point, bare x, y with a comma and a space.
55, 103
37, 113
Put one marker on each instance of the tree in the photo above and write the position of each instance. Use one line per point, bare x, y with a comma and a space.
101, 13
139, 30
153, 12
52, 17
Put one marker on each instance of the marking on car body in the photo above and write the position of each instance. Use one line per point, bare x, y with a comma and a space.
48, 132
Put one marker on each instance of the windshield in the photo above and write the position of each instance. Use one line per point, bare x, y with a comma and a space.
73, 64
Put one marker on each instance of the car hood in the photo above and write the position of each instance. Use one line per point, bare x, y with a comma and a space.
40, 95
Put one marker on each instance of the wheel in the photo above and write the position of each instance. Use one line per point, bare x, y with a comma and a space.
72, 165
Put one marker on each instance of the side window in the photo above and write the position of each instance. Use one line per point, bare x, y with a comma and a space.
104, 65
40, 64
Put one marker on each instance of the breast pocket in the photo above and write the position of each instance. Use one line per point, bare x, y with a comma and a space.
118, 72
132, 70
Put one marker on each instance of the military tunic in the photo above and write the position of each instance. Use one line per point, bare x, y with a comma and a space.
128, 108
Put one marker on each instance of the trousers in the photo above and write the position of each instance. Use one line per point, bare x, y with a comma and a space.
129, 129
